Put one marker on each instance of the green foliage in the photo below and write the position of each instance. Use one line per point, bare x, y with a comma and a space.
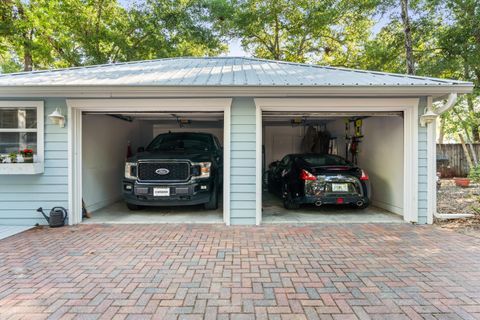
474, 174
298, 30
39, 34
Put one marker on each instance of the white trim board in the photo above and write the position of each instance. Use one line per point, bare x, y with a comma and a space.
77, 106
436, 91
409, 107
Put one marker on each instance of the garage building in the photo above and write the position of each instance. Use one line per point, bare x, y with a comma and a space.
82, 121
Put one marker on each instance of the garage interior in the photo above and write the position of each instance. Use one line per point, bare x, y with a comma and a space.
106, 138
380, 154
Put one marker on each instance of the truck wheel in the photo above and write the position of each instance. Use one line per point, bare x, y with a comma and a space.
212, 204
133, 207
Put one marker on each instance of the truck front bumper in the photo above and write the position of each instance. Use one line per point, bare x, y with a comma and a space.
180, 194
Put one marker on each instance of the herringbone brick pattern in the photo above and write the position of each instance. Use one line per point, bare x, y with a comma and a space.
218, 272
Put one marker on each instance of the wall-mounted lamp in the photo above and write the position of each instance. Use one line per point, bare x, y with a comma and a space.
428, 117
57, 118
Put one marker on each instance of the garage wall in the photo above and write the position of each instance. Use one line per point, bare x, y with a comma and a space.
381, 155
21, 195
242, 162
104, 150
280, 141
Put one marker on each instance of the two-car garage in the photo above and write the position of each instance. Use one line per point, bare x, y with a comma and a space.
258, 110
110, 133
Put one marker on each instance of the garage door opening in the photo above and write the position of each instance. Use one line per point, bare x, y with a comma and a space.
172, 178
368, 146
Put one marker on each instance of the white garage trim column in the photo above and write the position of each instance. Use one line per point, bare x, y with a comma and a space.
74, 118
409, 107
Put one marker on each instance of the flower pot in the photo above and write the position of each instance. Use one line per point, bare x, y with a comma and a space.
462, 182
28, 159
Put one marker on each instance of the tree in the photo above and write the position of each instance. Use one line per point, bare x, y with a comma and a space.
300, 30
407, 31
39, 34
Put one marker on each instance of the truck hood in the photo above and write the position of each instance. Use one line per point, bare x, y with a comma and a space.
172, 155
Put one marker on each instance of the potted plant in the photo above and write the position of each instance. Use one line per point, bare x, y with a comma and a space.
27, 155
13, 157
473, 176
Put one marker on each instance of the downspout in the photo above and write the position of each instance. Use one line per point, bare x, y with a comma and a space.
428, 119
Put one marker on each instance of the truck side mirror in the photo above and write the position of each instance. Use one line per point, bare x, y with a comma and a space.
141, 149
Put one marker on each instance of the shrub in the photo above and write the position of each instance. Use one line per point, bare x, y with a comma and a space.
474, 174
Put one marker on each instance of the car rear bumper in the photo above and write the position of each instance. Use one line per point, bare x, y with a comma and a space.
334, 199
321, 191
180, 194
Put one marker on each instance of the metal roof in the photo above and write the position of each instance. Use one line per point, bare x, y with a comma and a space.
216, 71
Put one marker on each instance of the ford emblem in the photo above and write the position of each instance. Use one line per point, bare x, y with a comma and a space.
162, 171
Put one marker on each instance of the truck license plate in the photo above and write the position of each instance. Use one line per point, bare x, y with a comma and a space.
339, 187
161, 192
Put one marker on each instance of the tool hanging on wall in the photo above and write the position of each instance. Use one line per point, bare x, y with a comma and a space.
352, 141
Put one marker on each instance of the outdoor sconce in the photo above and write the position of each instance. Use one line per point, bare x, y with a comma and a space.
57, 118
428, 117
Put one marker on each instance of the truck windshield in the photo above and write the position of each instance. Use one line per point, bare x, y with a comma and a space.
181, 141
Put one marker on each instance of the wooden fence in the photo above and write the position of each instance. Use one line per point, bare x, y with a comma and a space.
451, 160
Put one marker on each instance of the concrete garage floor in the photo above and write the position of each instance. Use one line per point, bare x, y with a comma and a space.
274, 212
118, 213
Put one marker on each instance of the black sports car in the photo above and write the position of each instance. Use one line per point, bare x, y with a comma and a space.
318, 179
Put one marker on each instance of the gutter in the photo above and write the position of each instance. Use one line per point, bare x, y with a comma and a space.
135, 91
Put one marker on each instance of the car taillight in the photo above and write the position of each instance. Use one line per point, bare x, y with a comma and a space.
305, 175
364, 176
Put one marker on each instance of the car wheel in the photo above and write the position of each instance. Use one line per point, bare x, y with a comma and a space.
134, 207
288, 202
212, 204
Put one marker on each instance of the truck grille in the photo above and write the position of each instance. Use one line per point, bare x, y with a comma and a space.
178, 171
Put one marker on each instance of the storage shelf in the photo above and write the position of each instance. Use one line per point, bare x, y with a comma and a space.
21, 168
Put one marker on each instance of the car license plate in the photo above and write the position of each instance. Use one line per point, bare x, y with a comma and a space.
339, 187
161, 192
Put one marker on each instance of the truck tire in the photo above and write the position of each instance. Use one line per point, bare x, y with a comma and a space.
212, 204
133, 207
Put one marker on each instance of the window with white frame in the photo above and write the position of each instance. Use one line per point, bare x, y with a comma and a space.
21, 131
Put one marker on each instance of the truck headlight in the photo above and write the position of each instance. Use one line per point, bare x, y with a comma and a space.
203, 169
131, 170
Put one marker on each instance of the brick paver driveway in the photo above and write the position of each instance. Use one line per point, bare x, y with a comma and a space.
217, 272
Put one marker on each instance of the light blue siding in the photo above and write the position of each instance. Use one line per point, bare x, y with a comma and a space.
21, 195
422, 167
242, 180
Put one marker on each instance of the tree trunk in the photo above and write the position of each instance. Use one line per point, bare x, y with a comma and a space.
465, 150
408, 37
27, 60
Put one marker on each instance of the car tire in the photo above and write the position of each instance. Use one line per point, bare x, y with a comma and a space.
288, 202
134, 207
212, 204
